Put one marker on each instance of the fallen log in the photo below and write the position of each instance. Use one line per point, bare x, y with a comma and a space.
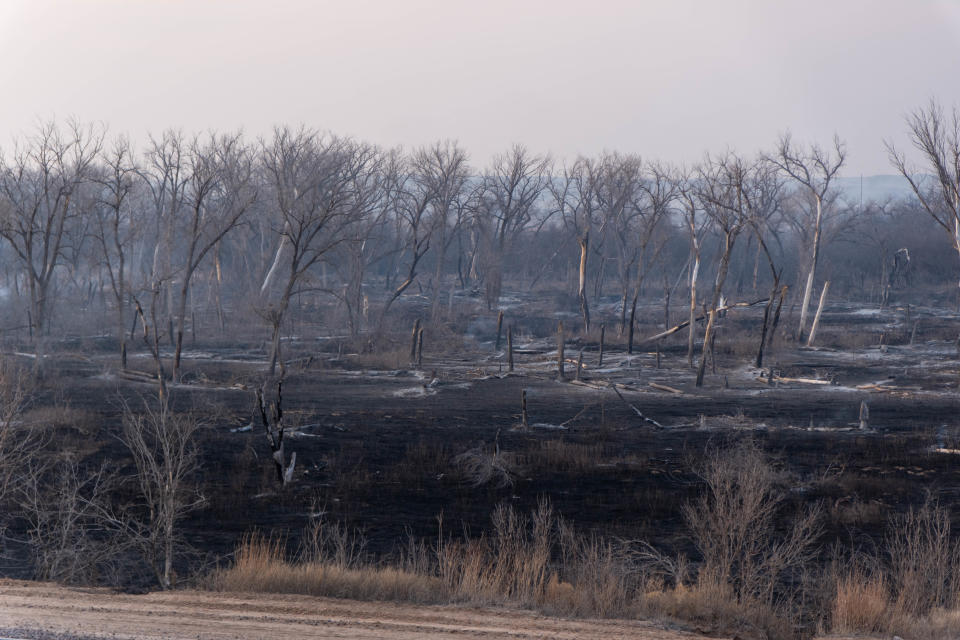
663, 387
686, 323
801, 380
635, 410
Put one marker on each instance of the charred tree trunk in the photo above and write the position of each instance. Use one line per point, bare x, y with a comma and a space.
523, 409
766, 321
420, 348
602, 336
560, 355
413, 339
271, 417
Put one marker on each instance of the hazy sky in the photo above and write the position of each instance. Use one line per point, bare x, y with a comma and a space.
668, 79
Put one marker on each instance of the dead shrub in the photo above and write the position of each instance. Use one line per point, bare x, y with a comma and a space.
481, 466
924, 563
69, 523
332, 543
746, 563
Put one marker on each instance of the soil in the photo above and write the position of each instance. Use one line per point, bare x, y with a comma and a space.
38, 610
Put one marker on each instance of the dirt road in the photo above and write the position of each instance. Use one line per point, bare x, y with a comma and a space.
27, 608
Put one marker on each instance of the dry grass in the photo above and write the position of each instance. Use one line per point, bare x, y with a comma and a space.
259, 566
63, 417
563, 456
862, 603
536, 562
914, 589
750, 582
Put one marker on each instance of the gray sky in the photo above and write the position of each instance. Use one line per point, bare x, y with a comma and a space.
668, 79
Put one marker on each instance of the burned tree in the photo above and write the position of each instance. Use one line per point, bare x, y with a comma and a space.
311, 180
576, 199
445, 166
115, 226
732, 190
658, 192
424, 190
215, 179
504, 206
270, 413
813, 170
618, 194
40, 184
937, 137
697, 226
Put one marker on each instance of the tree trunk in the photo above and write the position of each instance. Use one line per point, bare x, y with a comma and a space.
560, 344
718, 288
807, 292
766, 320
584, 243
275, 349
623, 312
181, 321
702, 368
602, 336
816, 318
692, 333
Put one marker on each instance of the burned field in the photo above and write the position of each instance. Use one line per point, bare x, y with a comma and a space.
425, 451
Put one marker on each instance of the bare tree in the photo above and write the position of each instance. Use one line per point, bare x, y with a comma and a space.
576, 198
697, 223
425, 189
219, 190
813, 169
366, 243
506, 205
445, 165
38, 184
619, 194
164, 173
937, 137
733, 191
115, 227
659, 192
312, 179
162, 445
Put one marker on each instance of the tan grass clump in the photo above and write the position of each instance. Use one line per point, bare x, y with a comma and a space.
260, 567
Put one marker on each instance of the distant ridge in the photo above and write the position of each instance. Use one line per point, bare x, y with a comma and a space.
878, 188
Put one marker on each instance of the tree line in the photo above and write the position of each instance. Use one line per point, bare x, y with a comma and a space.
214, 220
